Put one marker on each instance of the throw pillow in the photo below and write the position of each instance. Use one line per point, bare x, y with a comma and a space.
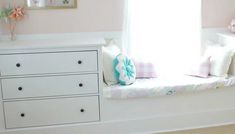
125, 71
220, 60
200, 67
145, 69
109, 54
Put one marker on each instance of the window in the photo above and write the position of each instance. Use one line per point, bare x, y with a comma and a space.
166, 32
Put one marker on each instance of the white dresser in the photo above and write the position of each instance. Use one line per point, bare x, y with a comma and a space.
49, 82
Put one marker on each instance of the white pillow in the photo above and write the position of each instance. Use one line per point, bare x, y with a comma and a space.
220, 60
109, 54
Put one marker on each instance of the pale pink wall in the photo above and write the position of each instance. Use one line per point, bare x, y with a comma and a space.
90, 16
106, 15
217, 13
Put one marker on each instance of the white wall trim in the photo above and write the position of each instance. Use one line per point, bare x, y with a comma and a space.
211, 33
104, 34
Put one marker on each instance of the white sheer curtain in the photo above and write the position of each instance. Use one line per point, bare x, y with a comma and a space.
166, 32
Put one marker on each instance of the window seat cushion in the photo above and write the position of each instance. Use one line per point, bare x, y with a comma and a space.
162, 86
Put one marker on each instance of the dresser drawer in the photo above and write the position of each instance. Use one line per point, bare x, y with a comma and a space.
49, 86
51, 112
40, 63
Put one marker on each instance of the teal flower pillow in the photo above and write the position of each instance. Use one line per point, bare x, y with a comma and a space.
124, 69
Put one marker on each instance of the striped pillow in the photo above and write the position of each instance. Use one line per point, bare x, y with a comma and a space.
200, 67
145, 69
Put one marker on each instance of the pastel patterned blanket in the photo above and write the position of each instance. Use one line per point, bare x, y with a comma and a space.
166, 86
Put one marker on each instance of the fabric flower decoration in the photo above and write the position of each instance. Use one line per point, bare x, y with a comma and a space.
17, 14
124, 68
128, 68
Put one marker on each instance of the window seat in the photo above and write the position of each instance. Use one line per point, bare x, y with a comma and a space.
162, 86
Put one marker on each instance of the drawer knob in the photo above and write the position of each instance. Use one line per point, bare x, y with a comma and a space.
22, 115
18, 65
20, 88
79, 62
80, 85
82, 110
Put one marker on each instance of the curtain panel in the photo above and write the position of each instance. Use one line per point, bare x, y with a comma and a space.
165, 32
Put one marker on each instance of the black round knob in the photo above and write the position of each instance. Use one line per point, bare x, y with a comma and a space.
22, 115
82, 110
79, 62
20, 88
80, 85
18, 65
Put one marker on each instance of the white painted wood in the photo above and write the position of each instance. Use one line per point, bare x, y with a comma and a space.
100, 69
141, 126
48, 63
49, 86
199, 102
88, 36
211, 33
142, 115
227, 38
2, 118
62, 42
51, 111
2, 123
49, 74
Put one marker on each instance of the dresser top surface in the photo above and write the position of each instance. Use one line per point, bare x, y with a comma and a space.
54, 42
